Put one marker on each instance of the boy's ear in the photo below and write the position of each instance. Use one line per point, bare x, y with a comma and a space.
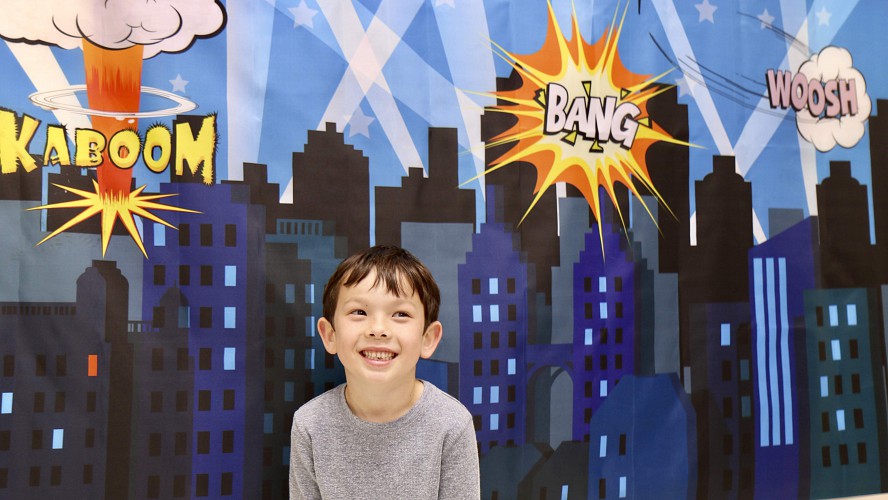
430, 339
328, 335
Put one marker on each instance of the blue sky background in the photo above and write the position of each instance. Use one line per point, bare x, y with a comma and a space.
273, 72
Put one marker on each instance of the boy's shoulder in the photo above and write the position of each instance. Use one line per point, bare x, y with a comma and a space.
319, 407
445, 405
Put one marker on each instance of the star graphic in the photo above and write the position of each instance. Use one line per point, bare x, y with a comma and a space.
823, 16
179, 84
439, 3
303, 15
706, 10
359, 124
766, 19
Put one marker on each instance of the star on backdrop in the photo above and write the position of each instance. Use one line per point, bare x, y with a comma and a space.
179, 84
706, 11
359, 124
766, 19
303, 15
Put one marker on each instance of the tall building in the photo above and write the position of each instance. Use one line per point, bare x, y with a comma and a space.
216, 259
878, 132
331, 182
494, 285
843, 213
780, 271
55, 392
162, 396
846, 391
436, 198
604, 304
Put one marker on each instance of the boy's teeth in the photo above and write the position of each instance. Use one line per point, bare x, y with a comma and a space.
379, 356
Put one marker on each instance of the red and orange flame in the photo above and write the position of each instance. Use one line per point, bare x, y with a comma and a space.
113, 84
589, 70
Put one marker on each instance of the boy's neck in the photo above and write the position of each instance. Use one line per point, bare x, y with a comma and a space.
382, 404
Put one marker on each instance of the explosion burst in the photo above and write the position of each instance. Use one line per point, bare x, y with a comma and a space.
596, 145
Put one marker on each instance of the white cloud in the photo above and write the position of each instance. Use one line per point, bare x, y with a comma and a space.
160, 25
845, 130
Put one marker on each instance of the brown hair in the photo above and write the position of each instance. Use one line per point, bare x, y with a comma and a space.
392, 264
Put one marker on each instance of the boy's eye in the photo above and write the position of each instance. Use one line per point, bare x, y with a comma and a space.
401, 314
359, 312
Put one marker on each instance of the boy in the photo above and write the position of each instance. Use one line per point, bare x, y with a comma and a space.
383, 434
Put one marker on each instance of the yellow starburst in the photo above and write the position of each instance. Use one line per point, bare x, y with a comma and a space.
113, 208
594, 73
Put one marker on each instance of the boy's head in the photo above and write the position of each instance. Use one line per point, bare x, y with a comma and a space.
396, 269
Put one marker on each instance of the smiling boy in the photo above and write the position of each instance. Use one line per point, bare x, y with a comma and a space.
384, 433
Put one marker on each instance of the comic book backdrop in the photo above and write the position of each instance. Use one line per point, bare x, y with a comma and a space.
660, 229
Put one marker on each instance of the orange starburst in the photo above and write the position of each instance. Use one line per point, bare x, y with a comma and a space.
115, 207
595, 74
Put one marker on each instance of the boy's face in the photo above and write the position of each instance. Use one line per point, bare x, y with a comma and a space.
378, 336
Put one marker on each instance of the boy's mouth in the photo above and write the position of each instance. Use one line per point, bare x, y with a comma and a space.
378, 355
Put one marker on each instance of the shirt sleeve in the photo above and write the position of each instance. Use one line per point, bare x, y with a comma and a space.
303, 484
460, 473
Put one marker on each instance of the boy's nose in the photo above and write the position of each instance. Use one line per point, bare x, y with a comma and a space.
377, 329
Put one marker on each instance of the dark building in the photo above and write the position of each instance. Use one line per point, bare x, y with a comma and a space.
419, 199
57, 192
331, 182
23, 185
518, 180
719, 271
843, 213
668, 167
878, 132
55, 392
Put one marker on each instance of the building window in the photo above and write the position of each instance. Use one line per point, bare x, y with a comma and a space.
206, 275
618, 309
228, 399
157, 359
840, 420
158, 320
587, 310
833, 315
838, 382
818, 315
494, 313
203, 442
39, 402
230, 317
202, 485
602, 284
206, 235
836, 350
181, 401
34, 476
512, 312
87, 474
40, 365
510, 285
513, 339
494, 340
153, 487
8, 365
477, 395
602, 310
203, 400
476, 286
824, 421
602, 446
230, 275
725, 334
227, 483
858, 418
493, 286
36, 439
852, 314
494, 422
184, 275
618, 361
727, 407
478, 368
587, 284
182, 359
228, 359
510, 366
853, 349
494, 367
91, 401
602, 488
89, 438
55, 475
843, 454
824, 456
154, 444
227, 441
159, 237
181, 444
588, 336
821, 348
159, 275
61, 365
478, 340
861, 453
206, 317
494, 394
184, 235
602, 388
855, 383
206, 358
230, 235
622, 486
476, 314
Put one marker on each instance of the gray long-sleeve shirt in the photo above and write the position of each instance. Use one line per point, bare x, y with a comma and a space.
429, 452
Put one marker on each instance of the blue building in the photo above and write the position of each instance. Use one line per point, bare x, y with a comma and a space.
643, 442
494, 293
604, 322
215, 259
846, 393
780, 271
